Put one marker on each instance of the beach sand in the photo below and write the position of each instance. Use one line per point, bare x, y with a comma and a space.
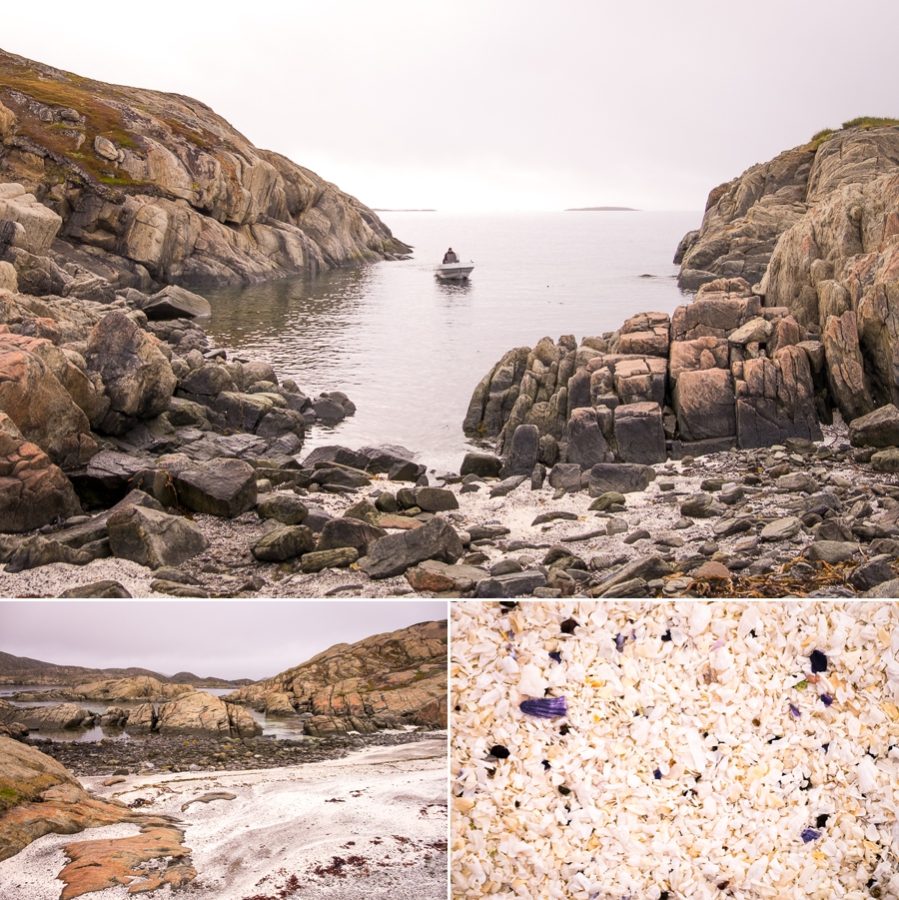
382, 812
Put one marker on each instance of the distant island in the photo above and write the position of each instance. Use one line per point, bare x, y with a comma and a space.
382, 209
597, 209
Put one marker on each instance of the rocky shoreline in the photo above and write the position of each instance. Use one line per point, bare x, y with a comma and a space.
801, 518
198, 752
684, 454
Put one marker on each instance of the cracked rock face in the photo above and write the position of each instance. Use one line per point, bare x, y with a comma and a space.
158, 188
384, 681
722, 371
33, 491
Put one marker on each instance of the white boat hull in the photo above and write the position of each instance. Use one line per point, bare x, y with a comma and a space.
453, 271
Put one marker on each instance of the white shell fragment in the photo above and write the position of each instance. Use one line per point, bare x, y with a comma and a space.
710, 764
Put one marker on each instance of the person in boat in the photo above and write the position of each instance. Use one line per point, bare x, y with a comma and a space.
450, 256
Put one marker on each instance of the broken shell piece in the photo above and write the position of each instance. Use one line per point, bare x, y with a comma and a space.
545, 707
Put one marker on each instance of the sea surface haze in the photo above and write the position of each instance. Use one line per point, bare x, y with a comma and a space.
409, 350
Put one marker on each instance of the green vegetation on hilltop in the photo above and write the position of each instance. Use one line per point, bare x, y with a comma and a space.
103, 110
870, 122
864, 122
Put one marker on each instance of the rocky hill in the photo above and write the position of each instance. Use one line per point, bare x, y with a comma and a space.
384, 681
23, 670
745, 217
155, 188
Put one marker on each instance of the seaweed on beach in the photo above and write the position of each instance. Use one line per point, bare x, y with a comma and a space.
339, 865
781, 583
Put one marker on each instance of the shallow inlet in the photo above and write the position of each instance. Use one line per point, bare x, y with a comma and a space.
409, 350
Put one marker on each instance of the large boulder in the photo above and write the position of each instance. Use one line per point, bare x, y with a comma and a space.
201, 712
349, 532
494, 398
431, 499
698, 353
61, 717
622, 478
136, 374
33, 397
879, 428
587, 445
776, 400
393, 554
481, 464
639, 433
283, 543
174, 302
9, 280
845, 366
153, 538
33, 491
219, 487
523, 450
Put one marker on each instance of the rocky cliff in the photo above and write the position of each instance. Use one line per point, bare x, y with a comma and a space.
384, 681
817, 232
155, 188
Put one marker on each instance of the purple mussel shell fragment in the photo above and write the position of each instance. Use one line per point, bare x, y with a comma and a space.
545, 708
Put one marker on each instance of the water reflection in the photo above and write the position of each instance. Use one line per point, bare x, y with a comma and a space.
454, 288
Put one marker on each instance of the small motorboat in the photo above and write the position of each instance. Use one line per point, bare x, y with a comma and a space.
454, 271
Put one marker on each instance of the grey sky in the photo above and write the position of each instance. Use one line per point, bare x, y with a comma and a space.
507, 104
231, 639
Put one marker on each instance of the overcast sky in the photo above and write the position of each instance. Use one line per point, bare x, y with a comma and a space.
503, 104
230, 639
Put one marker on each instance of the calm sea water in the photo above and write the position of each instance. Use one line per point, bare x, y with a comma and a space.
409, 350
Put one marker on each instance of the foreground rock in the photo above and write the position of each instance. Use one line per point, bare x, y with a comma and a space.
393, 554
153, 538
38, 796
385, 681
100, 864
